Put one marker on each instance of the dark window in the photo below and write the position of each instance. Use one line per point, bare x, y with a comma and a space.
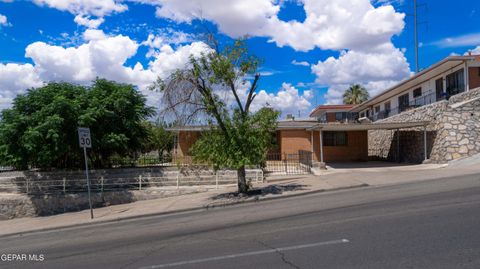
439, 88
403, 102
417, 92
362, 115
334, 139
340, 116
377, 109
387, 108
455, 83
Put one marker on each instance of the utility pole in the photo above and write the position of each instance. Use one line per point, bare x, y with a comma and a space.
415, 30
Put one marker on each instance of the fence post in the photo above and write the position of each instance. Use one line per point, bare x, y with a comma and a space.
64, 182
285, 162
140, 182
101, 183
178, 179
27, 181
216, 180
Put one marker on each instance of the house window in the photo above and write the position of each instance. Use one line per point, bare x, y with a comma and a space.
403, 102
417, 92
439, 88
340, 116
362, 115
387, 106
455, 83
377, 109
334, 139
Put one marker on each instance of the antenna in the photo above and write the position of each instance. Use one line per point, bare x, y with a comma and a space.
415, 32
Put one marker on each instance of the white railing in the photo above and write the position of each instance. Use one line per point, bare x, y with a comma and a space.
66, 186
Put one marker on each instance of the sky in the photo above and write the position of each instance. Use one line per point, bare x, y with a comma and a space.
312, 50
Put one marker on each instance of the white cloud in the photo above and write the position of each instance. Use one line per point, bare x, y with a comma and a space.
166, 59
288, 100
101, 56
84, 9
4, 21
387, 63
459, 41
376, 70
362, 29
300, 63
15, 79
476, 51
87, 21
329, 24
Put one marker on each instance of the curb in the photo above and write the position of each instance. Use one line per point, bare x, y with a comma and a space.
256, 199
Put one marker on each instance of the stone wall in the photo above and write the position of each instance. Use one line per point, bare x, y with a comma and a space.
453, 132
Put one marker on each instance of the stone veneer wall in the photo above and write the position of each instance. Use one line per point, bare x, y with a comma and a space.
453, 132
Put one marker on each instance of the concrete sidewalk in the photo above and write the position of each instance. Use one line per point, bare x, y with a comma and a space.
278, 187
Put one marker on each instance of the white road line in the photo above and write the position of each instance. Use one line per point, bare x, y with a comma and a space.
232, 256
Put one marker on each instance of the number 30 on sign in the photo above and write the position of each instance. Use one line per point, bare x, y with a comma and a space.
84, 137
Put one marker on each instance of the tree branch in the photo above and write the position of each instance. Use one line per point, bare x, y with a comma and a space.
251, 92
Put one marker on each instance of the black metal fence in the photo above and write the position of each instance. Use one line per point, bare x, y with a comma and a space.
291, 163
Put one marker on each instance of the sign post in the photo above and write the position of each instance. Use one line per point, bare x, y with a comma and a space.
86, 142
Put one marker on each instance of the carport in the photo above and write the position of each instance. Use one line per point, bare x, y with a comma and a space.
397, 126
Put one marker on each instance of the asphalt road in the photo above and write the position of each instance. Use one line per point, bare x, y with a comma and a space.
432, 224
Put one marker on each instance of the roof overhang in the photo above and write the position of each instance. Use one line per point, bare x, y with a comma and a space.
188, 128
439, 68
367, 126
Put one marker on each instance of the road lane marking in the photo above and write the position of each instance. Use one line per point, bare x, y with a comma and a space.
253, 253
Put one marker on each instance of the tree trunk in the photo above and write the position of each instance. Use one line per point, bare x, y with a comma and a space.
242, 182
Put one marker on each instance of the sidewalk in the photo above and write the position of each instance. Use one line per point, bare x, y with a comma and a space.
278, 187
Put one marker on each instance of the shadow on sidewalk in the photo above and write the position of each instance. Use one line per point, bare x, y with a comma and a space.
275, 189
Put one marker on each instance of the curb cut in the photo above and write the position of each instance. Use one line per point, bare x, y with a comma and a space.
180, 211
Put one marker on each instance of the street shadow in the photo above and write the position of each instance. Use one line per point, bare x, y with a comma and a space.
275, 189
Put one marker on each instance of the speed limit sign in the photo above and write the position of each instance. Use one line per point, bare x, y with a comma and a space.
84, 137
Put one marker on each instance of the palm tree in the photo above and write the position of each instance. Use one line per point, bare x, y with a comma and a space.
355, 95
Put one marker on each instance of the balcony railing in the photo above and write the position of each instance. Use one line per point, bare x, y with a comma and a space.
417, 102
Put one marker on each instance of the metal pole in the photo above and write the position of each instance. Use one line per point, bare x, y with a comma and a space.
88, 182
311, 139
321, 146
398, 145
425, 142
415, 31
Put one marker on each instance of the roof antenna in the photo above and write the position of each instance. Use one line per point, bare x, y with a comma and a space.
415, 31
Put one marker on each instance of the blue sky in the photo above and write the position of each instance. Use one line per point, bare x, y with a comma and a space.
312, 50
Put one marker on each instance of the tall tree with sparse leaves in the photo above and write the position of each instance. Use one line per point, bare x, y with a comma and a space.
355, 94
238, 137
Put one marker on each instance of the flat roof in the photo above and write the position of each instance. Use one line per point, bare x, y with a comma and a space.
188, 128
313, 125
331, 108
368, 126
442, 66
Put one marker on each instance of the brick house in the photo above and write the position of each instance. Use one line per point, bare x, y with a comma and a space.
435, 114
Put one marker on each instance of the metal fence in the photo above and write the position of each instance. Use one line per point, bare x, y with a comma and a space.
291, 163
103, 184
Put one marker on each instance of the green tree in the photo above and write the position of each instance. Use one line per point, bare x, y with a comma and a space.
355, 94
160, 140
238, 137
40, 129
115, 113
